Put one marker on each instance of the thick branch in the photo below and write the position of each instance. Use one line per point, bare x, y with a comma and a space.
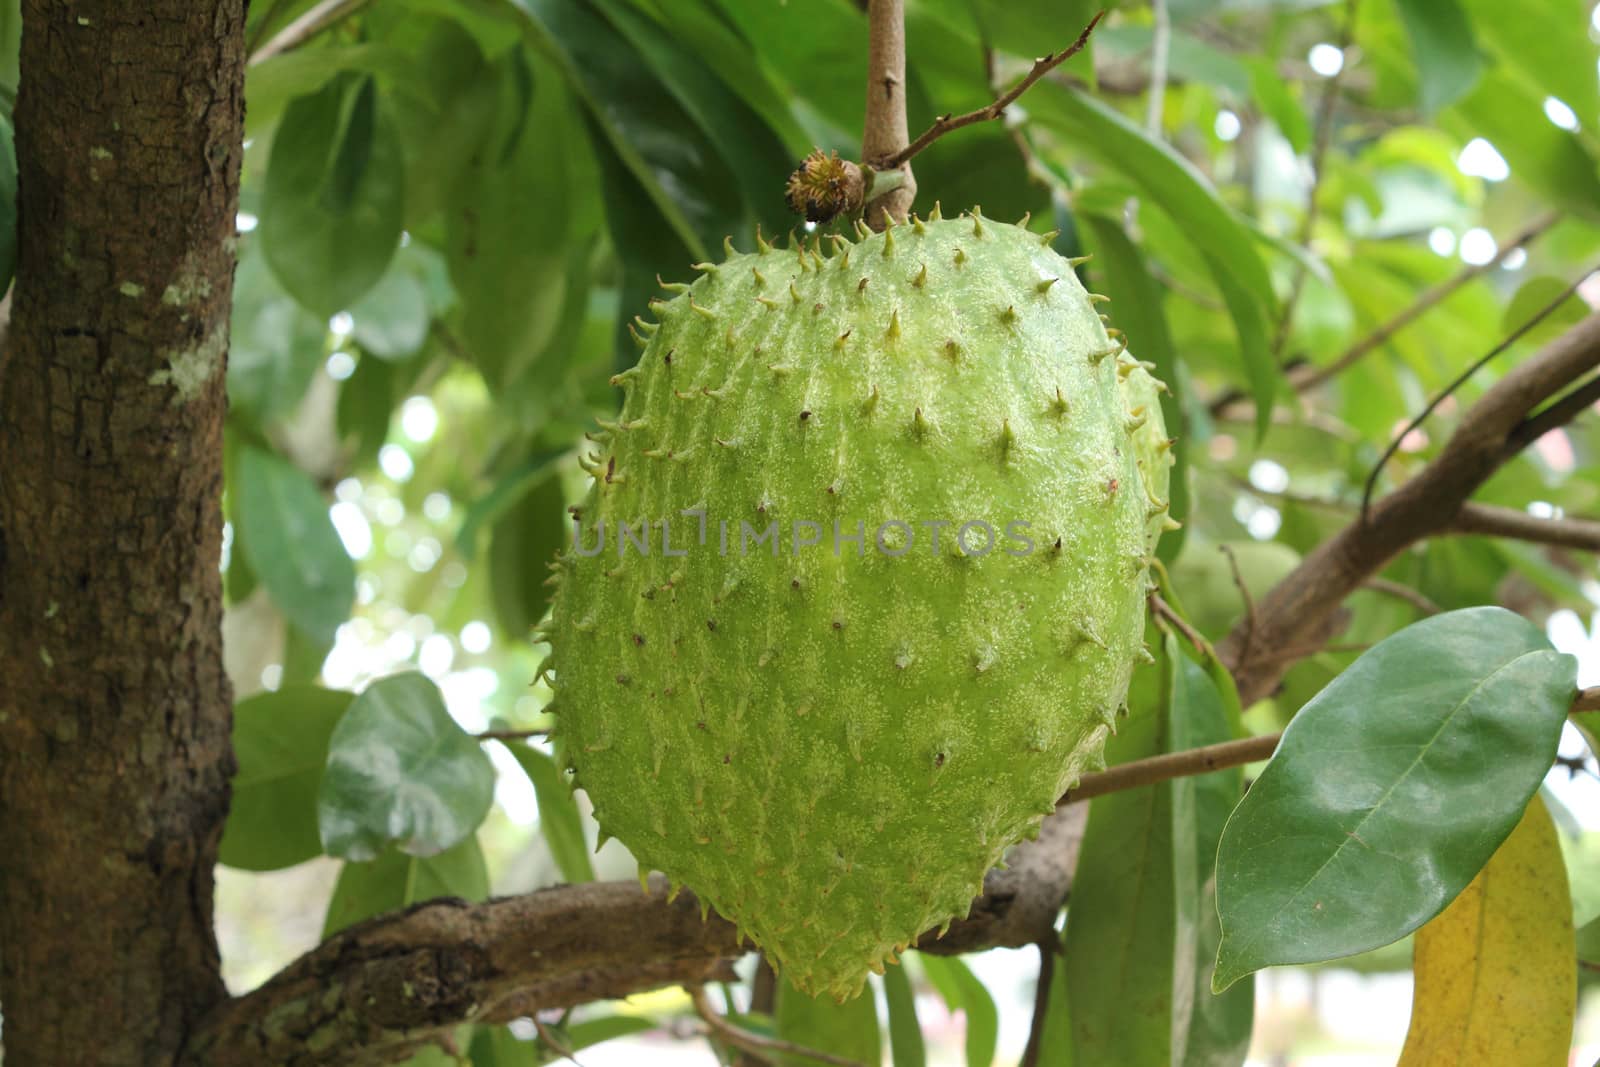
1491, 521
1298, 612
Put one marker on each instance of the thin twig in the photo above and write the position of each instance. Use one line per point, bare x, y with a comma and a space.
509, 735
1304, 377
1492, 521
1165, 611
1244, 594
741, 1038
1319, 152
1048, 947
1402, 592
556, 1044
1461, 379
1311, 377
946, 123
320, 17
1587, 700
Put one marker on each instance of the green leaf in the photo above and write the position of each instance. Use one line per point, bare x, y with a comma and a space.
820, 1023
392, 320
596, 1031
508, 228
1447, 55
1531, 298
963, 992
1128, 283
334, 196
1120, 945
905, 1034
1589, 942
395, 880
281, 742
522, 544
1278, 103
1182, 192
1549, 44
1548, 160
559, 820
1390, 790
508, 489
401, 771
1209, 1030
276, 345
291, 543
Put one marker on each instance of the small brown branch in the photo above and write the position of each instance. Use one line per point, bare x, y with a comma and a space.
1402, 592
317, 19
1048, 947
1164, 611
946, 123
1172, 765
1587, 700
1311, 377
759, 1044
554, 1043
509, 735
1491, 521
1244, 594
1304, 377
885, 131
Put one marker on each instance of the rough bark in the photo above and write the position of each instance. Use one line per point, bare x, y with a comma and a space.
114, 709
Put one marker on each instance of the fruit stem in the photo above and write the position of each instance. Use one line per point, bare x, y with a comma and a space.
885, 133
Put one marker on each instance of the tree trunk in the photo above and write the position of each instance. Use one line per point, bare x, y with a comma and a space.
114, 708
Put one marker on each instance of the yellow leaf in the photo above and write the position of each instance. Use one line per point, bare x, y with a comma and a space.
1496, 971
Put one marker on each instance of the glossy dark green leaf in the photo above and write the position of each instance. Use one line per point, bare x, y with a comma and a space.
394, 880
1589, 942
281, 742
508, 490
559, 820
400, 771
1447, 54
291, 543
366, 403
522, 545
848, 1029
1390, 790
508, 230
1125, 278
906, 1046
1120, 945
1031, 28
1209, 1030
276, 345
334, 198
1183, 193
963, 992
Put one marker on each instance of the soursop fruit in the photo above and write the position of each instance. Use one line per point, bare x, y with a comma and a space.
860, 582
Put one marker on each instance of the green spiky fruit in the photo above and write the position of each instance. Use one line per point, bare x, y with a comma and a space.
830, 737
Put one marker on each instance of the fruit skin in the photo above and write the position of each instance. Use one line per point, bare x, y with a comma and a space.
833, 750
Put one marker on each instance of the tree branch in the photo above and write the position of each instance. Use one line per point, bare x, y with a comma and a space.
946, 123
1048, 948
1491, 521
1558, 414
320, 17
1299, 611
1304, 377
885, 132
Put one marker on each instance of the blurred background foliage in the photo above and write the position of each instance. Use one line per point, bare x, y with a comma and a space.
452, 208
